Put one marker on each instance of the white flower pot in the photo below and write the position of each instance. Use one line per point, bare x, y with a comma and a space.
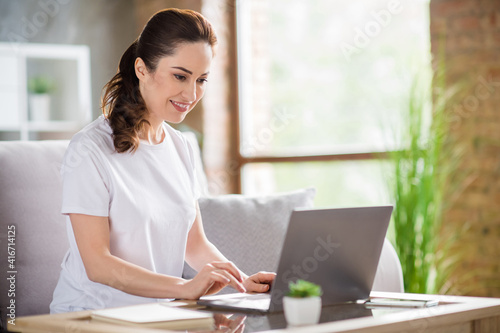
39, 107
302, 311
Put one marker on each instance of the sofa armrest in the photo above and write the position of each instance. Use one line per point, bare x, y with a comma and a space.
30, 201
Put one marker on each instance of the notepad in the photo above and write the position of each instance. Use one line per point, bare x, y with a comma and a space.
156, 315
400, 303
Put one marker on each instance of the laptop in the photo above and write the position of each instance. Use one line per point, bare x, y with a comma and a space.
337, 248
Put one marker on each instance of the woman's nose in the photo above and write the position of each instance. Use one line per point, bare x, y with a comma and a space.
189, 92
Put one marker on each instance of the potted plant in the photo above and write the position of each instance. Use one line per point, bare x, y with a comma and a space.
39, 88
302, 304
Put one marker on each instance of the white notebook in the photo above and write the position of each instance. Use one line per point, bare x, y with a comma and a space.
155, 315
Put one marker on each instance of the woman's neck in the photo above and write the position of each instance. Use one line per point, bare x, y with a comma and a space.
154, 134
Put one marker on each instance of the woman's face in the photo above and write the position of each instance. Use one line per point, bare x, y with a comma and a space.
177, 84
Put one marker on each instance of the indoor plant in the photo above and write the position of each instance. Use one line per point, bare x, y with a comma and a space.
422, 185
302, 304
40, 88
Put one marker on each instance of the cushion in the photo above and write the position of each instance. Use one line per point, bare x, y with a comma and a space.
389, 276
250, 230
30, 204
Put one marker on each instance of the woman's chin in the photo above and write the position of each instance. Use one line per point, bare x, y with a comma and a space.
177, 119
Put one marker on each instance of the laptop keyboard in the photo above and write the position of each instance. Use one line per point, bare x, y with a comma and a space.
259, 302
250, 299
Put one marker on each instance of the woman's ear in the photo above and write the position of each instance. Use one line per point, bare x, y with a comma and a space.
141, 70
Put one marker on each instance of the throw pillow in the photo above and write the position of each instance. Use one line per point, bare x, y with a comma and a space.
250, 230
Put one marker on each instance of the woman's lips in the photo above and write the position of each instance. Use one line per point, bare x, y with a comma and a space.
181, 107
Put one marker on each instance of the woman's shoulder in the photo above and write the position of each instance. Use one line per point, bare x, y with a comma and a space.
91, 146
97, 134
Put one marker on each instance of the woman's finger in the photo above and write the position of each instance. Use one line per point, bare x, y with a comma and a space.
264, 277
230, 267
260, 282
254, 287
232, 279
208, 281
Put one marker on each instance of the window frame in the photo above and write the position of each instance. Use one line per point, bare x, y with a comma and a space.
235, 135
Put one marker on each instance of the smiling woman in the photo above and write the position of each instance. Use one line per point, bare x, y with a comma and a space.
129, 186
173, 52
177, 84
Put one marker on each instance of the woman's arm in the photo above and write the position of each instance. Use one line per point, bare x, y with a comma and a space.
200, 251
92, 238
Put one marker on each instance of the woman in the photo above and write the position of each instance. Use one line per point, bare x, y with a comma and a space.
129, 187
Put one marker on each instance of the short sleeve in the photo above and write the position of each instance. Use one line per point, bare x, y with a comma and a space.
85, 181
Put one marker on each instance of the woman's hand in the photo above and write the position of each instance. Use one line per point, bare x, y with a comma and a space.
259, 282
212, 278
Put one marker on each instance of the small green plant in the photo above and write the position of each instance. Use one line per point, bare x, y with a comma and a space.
301, 289
40, 85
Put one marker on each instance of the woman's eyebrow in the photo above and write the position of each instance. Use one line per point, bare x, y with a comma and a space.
188, 71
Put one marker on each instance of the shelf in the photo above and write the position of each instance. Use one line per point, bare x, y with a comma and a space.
65, 67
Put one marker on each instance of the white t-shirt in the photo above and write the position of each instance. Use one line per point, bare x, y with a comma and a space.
149, 197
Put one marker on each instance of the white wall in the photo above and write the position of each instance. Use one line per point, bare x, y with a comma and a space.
107, 26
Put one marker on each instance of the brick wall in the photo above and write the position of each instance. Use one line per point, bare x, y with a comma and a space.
466, 35
221, 103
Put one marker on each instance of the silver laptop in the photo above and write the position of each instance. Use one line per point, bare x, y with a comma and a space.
337, 248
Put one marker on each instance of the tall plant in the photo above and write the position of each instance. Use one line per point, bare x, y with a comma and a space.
421, 169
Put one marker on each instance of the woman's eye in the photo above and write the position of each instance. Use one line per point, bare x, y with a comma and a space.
179, 77
204, 80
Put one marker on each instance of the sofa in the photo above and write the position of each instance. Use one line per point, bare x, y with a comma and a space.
34, 241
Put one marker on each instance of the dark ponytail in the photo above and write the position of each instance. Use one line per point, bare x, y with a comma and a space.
122, 102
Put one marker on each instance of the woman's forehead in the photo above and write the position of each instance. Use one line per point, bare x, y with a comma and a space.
193, 57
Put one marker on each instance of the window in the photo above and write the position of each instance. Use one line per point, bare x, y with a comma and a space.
321, 86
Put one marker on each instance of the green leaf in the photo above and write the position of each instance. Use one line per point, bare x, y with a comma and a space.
303, 288
40, 85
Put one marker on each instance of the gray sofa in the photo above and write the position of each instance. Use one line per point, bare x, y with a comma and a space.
30, 197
